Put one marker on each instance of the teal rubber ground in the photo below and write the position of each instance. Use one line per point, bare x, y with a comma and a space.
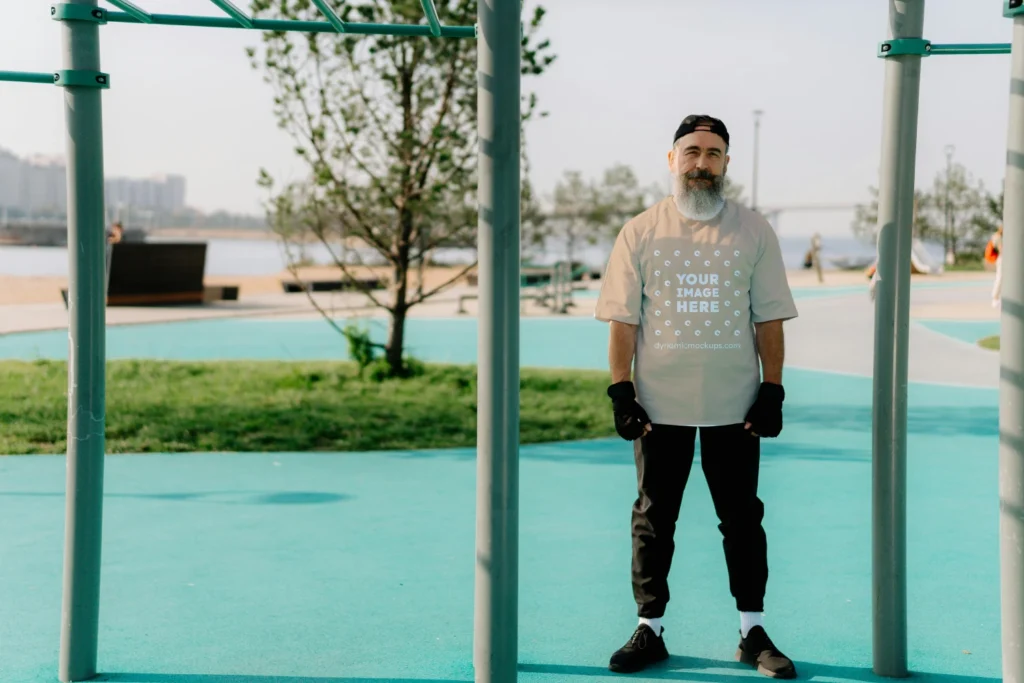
343, 568
970, 331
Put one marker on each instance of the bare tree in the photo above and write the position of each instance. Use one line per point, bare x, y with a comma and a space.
387, 126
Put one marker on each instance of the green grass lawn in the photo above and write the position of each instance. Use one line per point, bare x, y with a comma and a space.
991, 343
158, 406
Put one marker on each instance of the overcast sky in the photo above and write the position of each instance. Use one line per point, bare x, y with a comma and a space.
186, 101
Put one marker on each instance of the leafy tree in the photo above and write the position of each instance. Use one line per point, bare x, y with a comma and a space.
865, 220
587, 211
962, 225
387, 128
957, 204
574, 212
734, 191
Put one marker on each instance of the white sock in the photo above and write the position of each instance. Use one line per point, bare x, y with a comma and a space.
655, 624
749, 620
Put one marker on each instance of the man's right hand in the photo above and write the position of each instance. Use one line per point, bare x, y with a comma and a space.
631, 420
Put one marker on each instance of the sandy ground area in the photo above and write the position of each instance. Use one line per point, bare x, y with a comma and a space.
47, 290
35, 303
41, 290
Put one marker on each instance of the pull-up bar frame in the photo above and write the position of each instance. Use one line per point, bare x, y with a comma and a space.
925, 48
903, 52
498, 34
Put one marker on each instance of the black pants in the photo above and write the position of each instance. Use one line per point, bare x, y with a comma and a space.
730, 457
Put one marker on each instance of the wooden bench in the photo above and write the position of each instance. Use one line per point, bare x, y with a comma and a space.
356, 285
159, 274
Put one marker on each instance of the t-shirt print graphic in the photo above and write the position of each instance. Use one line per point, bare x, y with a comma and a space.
699, 294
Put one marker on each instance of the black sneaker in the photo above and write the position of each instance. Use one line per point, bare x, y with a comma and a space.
643, 649
758, 650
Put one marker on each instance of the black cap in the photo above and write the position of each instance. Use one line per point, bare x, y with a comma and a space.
695, 122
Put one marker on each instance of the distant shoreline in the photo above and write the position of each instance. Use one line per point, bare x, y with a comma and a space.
214, 233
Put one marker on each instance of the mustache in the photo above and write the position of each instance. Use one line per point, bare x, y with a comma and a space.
699, 174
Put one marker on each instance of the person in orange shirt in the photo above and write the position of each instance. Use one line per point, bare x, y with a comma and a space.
996, 250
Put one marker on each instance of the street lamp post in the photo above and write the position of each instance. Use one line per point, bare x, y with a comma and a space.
757, 144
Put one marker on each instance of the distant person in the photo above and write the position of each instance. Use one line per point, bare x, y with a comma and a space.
872, 273
815, 256
997, 252
115, 234
695, 291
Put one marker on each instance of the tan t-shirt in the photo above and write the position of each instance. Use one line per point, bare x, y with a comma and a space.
695, 289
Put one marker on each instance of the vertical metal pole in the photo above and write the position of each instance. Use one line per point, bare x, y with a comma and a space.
1011, 382
757, 152
892, 326
497, 533
86, 356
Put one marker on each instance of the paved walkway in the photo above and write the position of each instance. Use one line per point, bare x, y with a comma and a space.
837, 334
834, 332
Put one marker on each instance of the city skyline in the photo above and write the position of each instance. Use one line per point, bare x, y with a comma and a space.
37, 183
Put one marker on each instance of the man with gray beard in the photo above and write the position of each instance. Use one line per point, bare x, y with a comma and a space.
695, 293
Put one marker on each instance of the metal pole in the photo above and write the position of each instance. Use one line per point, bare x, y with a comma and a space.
757, 150
1011, 382
495, 651
86, 351
892, 313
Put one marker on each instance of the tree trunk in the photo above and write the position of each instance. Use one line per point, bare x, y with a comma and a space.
400, 307
396, 341
396, 335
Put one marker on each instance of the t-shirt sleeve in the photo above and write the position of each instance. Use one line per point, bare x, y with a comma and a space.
770, 296
621, 292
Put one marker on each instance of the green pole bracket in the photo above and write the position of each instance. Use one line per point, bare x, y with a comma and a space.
68, 12
1013, 8
80, 78
905, 46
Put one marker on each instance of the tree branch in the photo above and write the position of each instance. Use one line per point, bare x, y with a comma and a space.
365, 288
426, 295
435, 140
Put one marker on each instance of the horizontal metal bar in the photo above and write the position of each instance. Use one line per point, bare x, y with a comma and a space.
238, 15
331, 15
137, 12
26, 77
301, 26
971, 49
431, 13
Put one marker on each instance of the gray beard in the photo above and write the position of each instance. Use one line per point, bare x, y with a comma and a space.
700, 203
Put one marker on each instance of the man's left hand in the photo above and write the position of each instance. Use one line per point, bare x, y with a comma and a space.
765, 417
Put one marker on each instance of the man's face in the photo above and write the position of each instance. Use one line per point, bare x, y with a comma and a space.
697, 155
698, 163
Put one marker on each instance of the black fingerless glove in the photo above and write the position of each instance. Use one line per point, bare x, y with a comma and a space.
630, 417
765, 416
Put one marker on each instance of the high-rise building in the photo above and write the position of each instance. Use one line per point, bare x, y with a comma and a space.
159, 193
10, 180
39, 185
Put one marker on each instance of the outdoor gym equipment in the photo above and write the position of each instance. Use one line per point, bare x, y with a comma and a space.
498, 33
903, 52
499, 54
